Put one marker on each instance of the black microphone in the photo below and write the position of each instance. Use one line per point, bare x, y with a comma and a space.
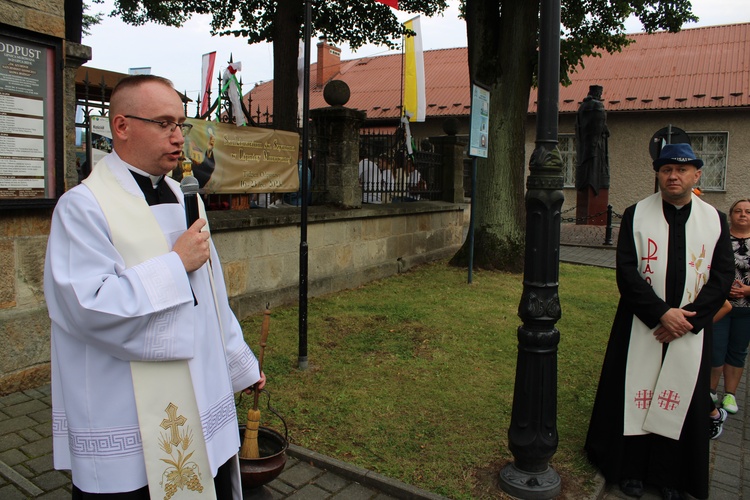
189, 186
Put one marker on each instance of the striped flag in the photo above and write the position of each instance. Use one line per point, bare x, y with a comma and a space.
389, 3
414, 93
232, 88
207, 70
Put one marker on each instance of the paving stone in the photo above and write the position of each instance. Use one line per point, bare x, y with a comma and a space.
331, 482
51, 480
38, 448
281, 486
309, 492
355, 491
14, 424
30, 435
25, 408
19, 481
43, 429
41, 464
300, 474
13, 399
723, 478
262, 493
24, 471
10, 492
59, 494
13, 457
716, 493
42, 416
12, 440
35, 393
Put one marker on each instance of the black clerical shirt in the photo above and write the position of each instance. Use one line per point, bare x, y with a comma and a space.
154, 195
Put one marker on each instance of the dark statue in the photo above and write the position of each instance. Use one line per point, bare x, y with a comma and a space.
592, 162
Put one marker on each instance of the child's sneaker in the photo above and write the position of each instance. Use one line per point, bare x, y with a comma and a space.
717, 424
729, 403
714, 397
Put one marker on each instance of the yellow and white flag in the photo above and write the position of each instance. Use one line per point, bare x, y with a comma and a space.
414, 94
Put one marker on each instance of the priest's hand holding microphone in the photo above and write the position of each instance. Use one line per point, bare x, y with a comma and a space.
192, 246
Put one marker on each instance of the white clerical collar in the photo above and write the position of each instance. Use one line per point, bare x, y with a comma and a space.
155, 179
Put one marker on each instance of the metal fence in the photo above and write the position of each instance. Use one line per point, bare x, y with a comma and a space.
388, 174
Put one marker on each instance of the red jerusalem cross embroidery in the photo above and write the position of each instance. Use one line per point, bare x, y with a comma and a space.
669, 400
643, 399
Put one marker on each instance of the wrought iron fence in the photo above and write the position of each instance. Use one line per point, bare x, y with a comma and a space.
388, 174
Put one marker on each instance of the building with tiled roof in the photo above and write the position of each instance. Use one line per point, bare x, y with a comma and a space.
697, 80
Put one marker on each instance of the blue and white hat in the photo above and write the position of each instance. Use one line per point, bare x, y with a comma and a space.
677, 154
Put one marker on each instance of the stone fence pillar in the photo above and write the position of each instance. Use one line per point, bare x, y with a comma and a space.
338, 128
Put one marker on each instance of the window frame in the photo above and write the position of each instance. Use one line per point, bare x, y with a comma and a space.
700, 153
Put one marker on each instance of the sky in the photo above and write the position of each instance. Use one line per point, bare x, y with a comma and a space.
176, 53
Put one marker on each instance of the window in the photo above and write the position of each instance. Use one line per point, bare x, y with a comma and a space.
711, 147
567, 147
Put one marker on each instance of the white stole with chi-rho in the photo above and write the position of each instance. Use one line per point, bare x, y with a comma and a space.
657, 395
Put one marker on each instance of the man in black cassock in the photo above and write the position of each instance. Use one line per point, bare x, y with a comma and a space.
668, 296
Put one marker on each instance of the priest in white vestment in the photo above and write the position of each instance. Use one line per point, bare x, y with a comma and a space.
127, 283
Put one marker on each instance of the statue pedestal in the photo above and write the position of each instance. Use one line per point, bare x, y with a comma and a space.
591, 209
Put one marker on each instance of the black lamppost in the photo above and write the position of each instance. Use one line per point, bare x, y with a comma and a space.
532, 436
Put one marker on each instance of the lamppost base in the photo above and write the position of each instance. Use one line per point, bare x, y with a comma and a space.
530, 485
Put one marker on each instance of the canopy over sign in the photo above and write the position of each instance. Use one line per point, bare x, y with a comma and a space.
230, 159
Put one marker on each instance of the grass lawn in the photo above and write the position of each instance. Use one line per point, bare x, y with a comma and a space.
412, 376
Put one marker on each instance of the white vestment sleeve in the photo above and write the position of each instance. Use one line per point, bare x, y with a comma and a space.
243, 365
94, 298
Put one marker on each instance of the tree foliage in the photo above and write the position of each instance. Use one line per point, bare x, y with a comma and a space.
502, 48
281, 22
90, 19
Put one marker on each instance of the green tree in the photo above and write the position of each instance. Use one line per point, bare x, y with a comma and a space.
502, 48
281, 22
90, 20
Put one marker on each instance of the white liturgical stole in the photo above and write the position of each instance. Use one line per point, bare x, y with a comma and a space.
658, 394
174, 447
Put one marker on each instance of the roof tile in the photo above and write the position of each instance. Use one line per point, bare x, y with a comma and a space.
705, 67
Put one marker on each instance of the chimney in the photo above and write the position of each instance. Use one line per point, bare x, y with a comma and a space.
329, 62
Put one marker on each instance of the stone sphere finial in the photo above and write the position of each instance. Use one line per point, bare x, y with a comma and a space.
450, 126
336, 93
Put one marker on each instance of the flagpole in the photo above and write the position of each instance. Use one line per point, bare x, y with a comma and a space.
403, 72
303, 257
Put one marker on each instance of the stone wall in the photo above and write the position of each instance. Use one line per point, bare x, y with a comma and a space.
24, 323
346, 248
259, 250
40, 16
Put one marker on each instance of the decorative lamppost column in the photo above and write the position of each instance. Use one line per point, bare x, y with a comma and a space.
532, 436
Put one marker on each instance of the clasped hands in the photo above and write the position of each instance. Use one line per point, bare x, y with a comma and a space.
738, 290
673, 325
